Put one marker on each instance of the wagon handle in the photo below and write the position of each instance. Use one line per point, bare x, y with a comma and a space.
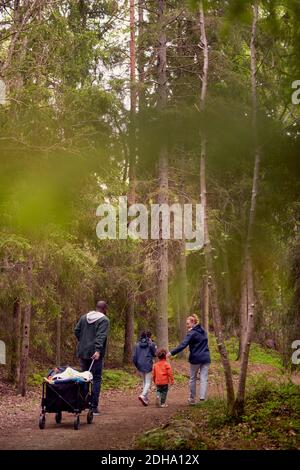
92, 363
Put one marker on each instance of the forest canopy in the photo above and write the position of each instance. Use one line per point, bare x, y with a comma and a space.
182, 102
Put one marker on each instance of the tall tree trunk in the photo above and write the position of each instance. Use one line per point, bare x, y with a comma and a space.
162, 287
243, 312
16, 31
129, 315
141, 60
204, 44
205, 303
26, 333
162, 270
58, 340
23, 13
183, 303
216, 315
16, 342
133, 102
248, 266
129, 331
142, 319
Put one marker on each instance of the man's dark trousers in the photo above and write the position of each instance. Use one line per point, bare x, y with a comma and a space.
97, 377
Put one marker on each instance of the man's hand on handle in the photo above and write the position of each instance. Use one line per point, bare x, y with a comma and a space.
96, 356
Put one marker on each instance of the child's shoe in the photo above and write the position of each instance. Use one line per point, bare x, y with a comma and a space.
164, 405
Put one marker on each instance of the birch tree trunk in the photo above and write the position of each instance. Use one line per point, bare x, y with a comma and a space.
26, 333
162, 268
248, 266
216, 315
243, 312
129, 314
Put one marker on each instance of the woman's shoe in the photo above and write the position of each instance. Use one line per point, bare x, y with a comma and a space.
143, 400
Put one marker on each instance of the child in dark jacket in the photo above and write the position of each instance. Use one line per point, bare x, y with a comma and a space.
162, 377
144, 353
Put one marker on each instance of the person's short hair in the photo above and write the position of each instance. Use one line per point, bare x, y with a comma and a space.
195, 318
146, 334
162, 353
101, 305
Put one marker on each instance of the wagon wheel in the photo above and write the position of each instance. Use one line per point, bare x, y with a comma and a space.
90, 417
58, 417
42, 421
77, 423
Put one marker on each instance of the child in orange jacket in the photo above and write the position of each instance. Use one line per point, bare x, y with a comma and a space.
162, 377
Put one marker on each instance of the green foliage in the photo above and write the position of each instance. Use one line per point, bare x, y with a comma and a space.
35, 379
180, 378
116, 379
271, 416
258, 354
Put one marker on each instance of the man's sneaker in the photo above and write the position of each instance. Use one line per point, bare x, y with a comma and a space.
158, 401
143, 400
96, 411
191, 401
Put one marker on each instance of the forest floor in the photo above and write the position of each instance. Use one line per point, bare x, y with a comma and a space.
123, 419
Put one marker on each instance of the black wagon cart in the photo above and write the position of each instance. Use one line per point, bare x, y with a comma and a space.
70, 395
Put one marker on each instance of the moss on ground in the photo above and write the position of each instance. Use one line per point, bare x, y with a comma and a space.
118, 379
258, 354
270, 421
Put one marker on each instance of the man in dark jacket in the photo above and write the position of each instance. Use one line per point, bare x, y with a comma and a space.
144, 352
199, 357
91, 332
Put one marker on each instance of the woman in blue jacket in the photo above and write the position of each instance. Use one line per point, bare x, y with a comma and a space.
144, 353
199, 357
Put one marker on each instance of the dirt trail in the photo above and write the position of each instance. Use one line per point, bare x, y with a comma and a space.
122, 419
